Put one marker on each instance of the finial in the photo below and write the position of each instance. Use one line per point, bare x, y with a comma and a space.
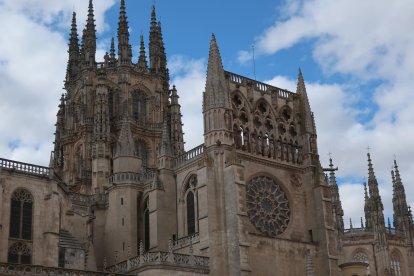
389, 224
350, 223
362, 223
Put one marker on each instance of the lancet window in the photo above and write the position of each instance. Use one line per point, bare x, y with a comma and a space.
191, 209
139, 105
142, 151
396, 264
21, 215
146, 225
21, 220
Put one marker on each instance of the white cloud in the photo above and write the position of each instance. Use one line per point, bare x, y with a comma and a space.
189, 77
32, 69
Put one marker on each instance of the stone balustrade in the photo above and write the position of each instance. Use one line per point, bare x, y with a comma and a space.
24, 167
198, 263
189, 155
35, 270
260, 86
185, 241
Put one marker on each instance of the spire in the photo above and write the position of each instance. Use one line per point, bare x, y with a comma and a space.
216, 94
372, 180
124, 48
308, 123
362, 223
335, 190
89, 38
112, 57
157, 56
350, 223
176, 124
368, 223
399, 201
73, 63
142, 60
126, 144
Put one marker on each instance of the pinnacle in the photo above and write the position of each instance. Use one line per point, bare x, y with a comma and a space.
126, 145
216, 94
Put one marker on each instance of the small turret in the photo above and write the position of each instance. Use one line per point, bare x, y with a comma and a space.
73, 62
142, 60
89, 39
112, 57
176, 124
399, 201
124, 48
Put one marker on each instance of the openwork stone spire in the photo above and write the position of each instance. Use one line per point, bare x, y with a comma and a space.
112, 57
176, 124
335, 190
73, 62
126, 144
89, 38
124, 48
216, 94
399, 201
158, 59
368, 221
142, 60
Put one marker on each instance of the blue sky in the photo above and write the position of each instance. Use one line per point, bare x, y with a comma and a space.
356, 57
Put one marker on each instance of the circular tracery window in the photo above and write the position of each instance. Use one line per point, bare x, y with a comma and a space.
267, 206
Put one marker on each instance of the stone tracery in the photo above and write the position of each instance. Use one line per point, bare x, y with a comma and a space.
267, 206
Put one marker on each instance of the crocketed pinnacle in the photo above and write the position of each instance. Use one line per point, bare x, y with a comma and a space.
89, 38
112, 56
372, 180
73, 62
400, 206
126, 144
308, 118
216, 94
142, 60
124, 48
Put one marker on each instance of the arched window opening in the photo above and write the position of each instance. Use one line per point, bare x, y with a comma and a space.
146, 226
190, 214
396, 264
142, 152
139, 106
111, 104
21, 215
20, 253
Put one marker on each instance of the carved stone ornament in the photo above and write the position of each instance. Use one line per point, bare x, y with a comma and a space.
295, 180
267, 206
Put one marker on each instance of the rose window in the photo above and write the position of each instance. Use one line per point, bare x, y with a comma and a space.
267, 206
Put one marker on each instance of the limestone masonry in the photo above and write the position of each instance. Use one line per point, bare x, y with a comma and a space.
121, 196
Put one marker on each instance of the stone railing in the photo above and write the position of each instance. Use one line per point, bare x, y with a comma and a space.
356, 231
130, 177
189, 155
24, 167
185, 241
139, 123
88, 200
260, 86
35, 270
198, 263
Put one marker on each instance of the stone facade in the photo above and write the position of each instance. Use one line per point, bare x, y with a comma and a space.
121, 195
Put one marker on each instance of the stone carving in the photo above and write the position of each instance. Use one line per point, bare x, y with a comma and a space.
22, 195
267, 206
295, 180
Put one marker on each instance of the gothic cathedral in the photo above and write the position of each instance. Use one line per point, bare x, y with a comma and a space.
121, 196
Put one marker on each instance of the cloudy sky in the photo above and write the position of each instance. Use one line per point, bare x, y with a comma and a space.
356, 57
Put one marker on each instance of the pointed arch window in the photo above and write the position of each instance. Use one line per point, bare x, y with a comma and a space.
139, 105
21, 215
146, 226
396, 264
191, 206
190, 213
20, 253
